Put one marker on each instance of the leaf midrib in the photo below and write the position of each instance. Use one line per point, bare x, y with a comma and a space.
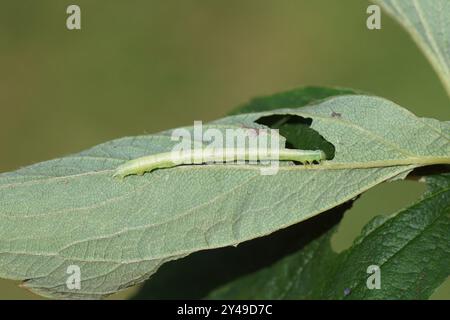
325, 165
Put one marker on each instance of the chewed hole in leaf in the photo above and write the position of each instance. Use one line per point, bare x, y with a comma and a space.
298, 133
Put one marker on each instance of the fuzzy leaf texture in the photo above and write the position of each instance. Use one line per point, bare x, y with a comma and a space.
410, 247
71, 211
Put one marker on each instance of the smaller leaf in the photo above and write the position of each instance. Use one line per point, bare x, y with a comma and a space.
294, 98
428, 22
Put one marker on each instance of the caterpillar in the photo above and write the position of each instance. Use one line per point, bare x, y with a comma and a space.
152, 162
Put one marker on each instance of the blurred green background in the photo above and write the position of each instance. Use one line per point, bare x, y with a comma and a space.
142, 66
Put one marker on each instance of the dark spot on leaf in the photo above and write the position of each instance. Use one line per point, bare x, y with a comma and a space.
336, 114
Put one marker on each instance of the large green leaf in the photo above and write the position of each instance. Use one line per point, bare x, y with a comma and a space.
428, 22
71, 211
411, 248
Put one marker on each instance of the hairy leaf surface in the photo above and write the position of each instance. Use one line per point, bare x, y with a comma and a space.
71, 211
411, 249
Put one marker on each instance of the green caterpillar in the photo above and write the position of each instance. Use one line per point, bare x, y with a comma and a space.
205, 155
